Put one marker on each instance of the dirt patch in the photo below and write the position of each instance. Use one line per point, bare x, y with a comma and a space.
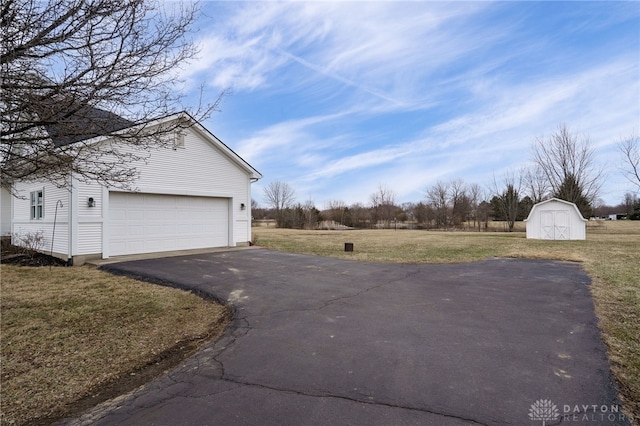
13, 255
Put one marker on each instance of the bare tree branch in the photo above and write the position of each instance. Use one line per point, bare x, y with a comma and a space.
70, 69
630, 150
279, 195
568, 163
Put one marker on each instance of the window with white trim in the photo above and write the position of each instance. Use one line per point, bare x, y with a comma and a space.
178, 141
37, 204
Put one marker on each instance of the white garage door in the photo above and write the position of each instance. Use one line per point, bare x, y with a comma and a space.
149, 223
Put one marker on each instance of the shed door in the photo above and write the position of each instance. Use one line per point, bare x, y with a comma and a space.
149, 223
554, 225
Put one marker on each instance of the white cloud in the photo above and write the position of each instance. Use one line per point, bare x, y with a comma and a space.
414, 92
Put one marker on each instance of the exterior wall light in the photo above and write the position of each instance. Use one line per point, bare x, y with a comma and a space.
91, 202
242, 206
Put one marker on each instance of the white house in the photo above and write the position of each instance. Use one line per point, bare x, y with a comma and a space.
556, 219
195, 194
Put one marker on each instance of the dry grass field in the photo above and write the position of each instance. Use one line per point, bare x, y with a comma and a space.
72, 337
610, 255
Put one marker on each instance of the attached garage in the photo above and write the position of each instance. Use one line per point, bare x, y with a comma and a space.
192, 193
148, 223
556, 219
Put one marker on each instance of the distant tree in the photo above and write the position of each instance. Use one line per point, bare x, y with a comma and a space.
460, 202
630, 151
536, 183
421, 213
483, 214
506, 201
336, 211
383, 205
256, 211
279, 195
568, 162
72, 69
474, 193
358, 216
438, 198
631, 206
571, 190
312, 216
525, 206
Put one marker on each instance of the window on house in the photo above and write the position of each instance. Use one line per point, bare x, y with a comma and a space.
178, 142
37, 204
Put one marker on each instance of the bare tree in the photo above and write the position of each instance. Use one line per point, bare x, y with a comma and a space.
568, 162
359, 216
475, 195
73, 70
336, 211
383, 204
507, 197
459, 201
630, 151
438, 198
537, 185
279, 195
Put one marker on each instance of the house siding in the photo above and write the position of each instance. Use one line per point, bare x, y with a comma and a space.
5, 212
199, 169
210, 172
89, 220
22, 223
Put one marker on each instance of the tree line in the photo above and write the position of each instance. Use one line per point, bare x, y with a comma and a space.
563, 166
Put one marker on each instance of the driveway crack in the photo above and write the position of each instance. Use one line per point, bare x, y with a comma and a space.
356, 400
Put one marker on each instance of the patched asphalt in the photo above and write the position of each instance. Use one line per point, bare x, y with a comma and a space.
322, 341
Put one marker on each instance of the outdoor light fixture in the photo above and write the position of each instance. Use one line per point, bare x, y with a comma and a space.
91, 202
242, 206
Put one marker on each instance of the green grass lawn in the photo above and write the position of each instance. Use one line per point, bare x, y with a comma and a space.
610, 255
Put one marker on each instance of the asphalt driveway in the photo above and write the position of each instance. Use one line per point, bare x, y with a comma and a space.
320, 341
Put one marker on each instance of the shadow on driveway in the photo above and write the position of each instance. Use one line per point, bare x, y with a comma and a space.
321, 341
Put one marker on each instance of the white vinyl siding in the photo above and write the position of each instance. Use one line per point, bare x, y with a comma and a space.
149, 223
5, 212
89, 220
195, 167
200, 168
22, 224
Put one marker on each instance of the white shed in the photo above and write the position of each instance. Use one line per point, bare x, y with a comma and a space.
556, 219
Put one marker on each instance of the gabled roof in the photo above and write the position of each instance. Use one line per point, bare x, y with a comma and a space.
191, 123
85, 123
67, 120
221, 145
568, 203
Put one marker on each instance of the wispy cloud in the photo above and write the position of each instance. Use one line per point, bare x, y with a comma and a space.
408, 93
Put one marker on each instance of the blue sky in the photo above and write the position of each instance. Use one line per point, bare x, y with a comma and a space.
338, 98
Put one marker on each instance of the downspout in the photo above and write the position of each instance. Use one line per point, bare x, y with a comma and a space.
53, 234
70, 222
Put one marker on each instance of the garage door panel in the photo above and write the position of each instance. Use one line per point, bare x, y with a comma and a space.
147, 223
